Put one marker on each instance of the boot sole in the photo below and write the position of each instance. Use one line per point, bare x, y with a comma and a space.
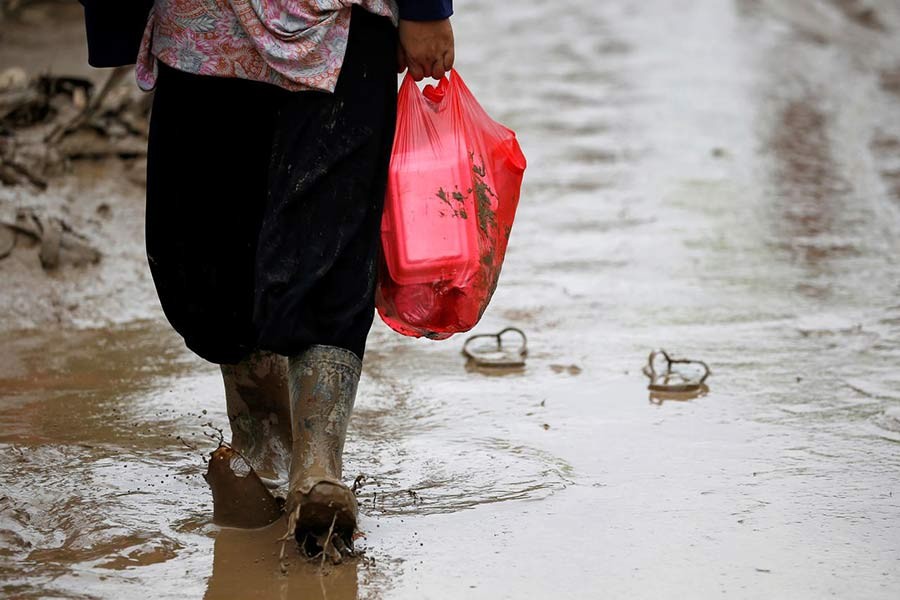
324, 504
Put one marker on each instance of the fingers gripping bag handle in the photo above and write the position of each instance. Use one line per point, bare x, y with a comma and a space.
453, 188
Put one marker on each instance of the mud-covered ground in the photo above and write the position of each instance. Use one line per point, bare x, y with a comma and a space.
102, 201
717, 177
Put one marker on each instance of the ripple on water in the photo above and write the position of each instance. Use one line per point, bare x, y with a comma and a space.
432, 476
68, 506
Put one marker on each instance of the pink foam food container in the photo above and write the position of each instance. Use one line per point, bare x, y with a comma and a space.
431, 239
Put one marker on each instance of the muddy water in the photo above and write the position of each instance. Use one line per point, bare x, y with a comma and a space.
717, 178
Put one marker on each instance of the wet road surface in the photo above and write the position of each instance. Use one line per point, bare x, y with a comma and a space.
721, 179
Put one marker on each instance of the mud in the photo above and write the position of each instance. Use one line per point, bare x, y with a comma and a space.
715, 178
103, 201
240, 498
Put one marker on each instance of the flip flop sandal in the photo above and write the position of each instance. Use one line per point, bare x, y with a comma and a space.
57, 240
496, 354
681, 375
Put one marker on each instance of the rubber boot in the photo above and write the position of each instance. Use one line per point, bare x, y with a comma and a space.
258, 406
246, 475
323, 382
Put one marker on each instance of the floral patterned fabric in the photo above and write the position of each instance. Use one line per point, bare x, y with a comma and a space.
294, 44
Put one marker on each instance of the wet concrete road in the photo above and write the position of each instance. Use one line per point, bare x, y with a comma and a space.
719, 178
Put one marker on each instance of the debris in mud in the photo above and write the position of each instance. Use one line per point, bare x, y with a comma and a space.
7, 240
675, 378
861, 13
59, 243
47, 121
495, 354
890, 80
570, 369
358, 483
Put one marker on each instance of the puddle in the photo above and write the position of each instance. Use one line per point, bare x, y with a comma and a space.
714, 180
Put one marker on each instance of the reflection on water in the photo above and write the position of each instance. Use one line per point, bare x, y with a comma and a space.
659, 398
810, 182
247, 564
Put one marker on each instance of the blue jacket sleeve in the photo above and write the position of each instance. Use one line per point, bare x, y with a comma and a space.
114, 30
425, 10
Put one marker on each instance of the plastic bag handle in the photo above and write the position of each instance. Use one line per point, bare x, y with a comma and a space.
436, 93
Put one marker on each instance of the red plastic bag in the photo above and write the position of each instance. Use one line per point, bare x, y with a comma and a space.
453, 189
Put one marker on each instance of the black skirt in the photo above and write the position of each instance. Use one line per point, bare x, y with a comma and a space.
264, 205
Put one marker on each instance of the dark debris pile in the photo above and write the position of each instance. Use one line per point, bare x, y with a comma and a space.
48, 121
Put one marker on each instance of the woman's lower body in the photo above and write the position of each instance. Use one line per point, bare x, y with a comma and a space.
264, 206
263, 215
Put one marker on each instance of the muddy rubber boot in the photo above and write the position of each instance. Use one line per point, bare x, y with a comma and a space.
258, 405
323, 382
246, 476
